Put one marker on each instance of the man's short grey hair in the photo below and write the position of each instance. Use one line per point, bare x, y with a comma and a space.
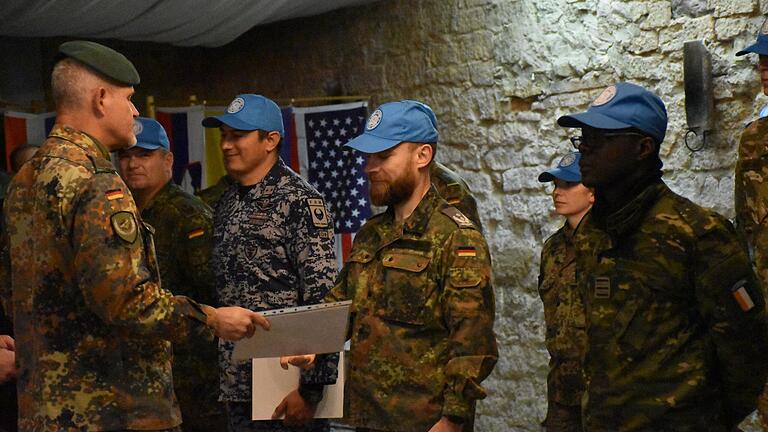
71, 82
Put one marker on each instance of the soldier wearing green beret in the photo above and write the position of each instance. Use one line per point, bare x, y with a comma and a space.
183, 239
79, 275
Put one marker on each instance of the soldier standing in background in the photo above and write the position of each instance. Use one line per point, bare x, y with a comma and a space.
563, 310
273, 248
183, 234
419, 278
79, 276
676, 326
751, 185
212, 194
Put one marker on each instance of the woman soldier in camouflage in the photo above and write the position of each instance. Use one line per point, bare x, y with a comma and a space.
563, 310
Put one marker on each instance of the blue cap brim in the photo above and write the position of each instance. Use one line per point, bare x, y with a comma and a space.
591, 119
229, 120
368, 143
557, 173
759, 47
148, 146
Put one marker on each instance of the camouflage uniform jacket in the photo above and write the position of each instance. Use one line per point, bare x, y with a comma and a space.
670, 348
566, 337
455, 190
91, 320
273, 248
212, 194
184, 238
422, 318
751, 194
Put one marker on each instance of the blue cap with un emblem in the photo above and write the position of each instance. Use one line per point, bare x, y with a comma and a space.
150, 135
567, 169
621, 106
249, 112
761, 44
396, 122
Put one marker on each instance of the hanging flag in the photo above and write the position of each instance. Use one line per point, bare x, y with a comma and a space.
213, 169
187, 137
25, 128
317, 141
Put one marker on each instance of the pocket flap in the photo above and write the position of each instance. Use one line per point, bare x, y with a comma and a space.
404, 261
360, 256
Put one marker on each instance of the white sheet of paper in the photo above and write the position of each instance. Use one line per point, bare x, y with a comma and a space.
271, 384
313, 329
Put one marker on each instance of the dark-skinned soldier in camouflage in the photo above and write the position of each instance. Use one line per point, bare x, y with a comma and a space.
566, 335
183, 227
676, 322
79, 276
751, 186
273, 248
419, 276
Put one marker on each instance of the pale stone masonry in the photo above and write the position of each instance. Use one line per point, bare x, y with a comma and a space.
498, 73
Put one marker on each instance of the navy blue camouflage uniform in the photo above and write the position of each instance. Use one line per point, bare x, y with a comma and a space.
273, 248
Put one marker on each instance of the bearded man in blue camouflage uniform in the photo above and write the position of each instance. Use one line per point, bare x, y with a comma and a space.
419, 276
676, 326
183, 239
273, 248
79, 275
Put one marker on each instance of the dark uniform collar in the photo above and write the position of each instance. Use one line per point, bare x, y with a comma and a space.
89, 144
268, 184
621, 222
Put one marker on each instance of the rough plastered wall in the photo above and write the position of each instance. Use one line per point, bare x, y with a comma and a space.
498, 73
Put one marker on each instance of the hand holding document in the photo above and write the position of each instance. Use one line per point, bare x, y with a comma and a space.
314, 329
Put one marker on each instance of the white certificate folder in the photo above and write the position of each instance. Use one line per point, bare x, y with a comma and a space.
313, 329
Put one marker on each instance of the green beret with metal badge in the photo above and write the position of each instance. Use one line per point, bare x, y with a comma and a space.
103, 59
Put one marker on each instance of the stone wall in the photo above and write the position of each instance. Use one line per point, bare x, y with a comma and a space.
498, 73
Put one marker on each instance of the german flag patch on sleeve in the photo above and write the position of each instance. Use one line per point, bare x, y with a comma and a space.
466, 251
114, 194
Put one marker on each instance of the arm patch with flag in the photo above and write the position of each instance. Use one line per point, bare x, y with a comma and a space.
741, 296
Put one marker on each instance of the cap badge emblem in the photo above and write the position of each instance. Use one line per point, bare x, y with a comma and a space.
606, 96
567, 160
138, 128
764, 28
236, 106
374, 120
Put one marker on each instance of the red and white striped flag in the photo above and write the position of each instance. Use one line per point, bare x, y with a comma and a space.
25, 128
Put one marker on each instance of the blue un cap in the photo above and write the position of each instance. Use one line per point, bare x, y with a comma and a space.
622, 106
567, 169
150, 135
249, 112
761, 44
395, 122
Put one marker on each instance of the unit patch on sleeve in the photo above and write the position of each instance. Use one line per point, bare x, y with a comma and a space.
319, 215
124, 224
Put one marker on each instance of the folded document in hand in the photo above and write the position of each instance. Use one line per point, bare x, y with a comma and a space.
313, 329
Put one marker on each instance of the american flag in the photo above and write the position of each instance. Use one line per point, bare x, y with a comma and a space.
316, 151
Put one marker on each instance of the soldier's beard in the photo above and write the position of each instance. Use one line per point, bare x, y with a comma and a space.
384, 193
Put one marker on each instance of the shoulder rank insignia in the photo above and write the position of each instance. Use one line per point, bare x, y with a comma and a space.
319, 215
124, 224
458, 217
114, 194
197, 232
